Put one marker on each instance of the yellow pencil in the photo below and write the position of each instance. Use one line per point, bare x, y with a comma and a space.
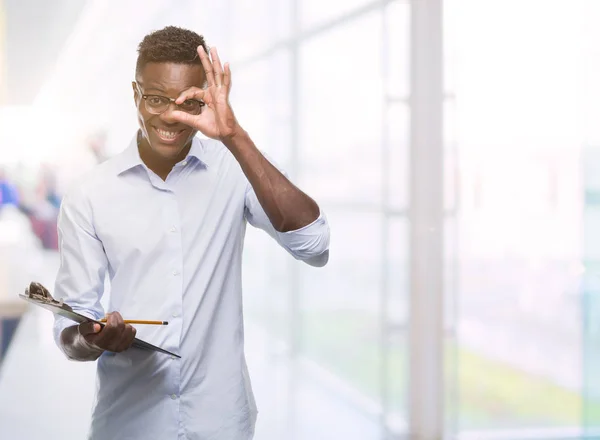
140, 321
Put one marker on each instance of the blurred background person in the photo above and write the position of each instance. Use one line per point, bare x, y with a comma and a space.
44, 211
8, 191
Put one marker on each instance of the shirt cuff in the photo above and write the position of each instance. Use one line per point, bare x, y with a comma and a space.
308, 241
61, 323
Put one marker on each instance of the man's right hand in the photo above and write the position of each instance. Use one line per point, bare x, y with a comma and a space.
115, 336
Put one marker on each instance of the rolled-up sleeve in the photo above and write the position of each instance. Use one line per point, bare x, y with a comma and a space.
309, 243
83, 262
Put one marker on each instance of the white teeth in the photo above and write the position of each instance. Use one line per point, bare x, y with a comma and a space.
167, 134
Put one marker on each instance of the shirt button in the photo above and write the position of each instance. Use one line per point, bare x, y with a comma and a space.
173, 396
184, 163
175, 315
173, 357
175, 273
173, 229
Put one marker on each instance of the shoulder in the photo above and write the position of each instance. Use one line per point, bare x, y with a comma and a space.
219, 159
93, 182
216, 152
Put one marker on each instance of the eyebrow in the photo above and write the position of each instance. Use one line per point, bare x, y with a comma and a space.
146, 89
157, 89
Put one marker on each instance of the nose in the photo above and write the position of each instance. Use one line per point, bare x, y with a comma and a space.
167, 115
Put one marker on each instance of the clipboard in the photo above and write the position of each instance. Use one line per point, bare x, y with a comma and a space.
59, 308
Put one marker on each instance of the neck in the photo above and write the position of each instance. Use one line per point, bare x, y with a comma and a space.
160, 165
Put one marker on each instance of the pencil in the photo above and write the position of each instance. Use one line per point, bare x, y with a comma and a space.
140, 321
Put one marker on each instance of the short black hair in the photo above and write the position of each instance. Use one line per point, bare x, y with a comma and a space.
170, 45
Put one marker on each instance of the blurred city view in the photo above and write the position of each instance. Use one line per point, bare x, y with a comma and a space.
324, 87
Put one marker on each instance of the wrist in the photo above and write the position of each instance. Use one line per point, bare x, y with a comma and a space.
76, 347
238, 137
84, 344
84, 350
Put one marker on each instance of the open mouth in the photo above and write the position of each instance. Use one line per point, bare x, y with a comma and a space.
168, 136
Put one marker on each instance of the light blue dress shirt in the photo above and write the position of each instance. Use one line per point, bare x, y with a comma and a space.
172, 251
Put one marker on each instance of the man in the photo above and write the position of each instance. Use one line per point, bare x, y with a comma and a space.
166, 220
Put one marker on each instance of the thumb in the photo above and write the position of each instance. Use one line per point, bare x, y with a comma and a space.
89, 328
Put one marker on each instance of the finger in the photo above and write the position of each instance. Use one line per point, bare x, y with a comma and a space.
103, 339
115, 319
208, 67
89, 328
227, 77
111, 332
191, 93
218, 68
185, 118
126, 339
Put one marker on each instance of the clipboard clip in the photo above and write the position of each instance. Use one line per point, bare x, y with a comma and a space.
38, 292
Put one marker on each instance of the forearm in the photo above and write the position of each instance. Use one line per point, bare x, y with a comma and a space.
76, 347
287, 207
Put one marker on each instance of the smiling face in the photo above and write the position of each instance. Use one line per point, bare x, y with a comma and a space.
164, 140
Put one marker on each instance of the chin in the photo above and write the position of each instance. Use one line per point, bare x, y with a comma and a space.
167, 151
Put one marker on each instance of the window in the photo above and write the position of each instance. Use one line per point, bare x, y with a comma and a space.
338, 164
316, 12
518, 350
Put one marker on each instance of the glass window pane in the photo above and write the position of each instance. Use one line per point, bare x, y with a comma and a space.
397, 30
255, 25
591, 339
341, 313
451, 291
590, 285
314, 12
451, 164
261, 97
397, 370
591, 63
518, 318
519, 236
395, 318
451, 62
397, 160
397, 271
341, 114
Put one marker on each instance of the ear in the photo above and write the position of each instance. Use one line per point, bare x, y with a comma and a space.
136, 95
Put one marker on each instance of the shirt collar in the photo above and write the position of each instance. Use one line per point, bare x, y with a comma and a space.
130, 158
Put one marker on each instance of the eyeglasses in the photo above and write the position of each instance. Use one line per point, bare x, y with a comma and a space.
157, 104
